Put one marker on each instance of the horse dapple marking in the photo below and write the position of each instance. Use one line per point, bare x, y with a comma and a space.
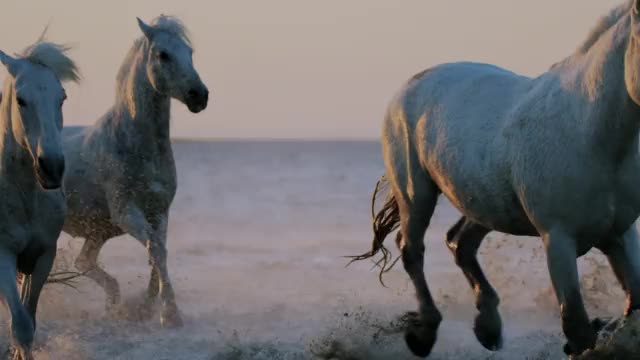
554, 156
32, 166
121, 174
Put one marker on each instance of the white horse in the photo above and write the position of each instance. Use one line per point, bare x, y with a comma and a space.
554, 156
121, 175
31, 170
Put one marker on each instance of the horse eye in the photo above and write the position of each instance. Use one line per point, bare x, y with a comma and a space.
163, 56
21, 102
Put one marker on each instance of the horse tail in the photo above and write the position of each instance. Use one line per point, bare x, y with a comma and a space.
385, 221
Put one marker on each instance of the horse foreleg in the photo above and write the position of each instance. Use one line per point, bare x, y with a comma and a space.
132, 220
22, 329
35, 282
624, 256
159, 281
563, 269
464, 239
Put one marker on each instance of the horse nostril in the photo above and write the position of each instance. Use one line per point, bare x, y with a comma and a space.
42, 163
51, 166
192, 93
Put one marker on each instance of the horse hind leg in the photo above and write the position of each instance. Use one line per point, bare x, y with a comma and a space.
415, 215
87, 263
464, 239
624, 256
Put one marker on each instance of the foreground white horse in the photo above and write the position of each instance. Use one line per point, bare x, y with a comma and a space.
555, 156
121, 174
31, 170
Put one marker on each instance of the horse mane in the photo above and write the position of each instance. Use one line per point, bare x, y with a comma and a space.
52, 56
605, 23
173, 26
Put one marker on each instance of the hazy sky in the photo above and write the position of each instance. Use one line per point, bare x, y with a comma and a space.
301, 69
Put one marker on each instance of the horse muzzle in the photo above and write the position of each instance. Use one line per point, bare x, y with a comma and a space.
197, 99
50, 171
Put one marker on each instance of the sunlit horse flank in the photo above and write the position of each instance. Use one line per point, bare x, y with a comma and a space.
31, 171
554, 156
121, 175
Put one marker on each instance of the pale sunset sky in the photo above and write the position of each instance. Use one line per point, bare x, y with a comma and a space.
300, 69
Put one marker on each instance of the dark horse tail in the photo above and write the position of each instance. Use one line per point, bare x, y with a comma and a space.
385, 221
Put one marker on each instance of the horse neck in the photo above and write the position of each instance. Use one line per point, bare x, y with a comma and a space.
140, 110
608, 116
16, 164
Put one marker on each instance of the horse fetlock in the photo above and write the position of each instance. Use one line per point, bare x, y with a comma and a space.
112, 288
486, 299
22, 328
170, 316
579, 339
488, 329
22, 354
112, 303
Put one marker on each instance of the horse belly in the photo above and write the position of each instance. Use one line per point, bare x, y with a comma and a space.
88, 211
486, 201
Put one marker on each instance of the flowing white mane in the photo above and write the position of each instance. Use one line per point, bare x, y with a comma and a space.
54, 57
172, 25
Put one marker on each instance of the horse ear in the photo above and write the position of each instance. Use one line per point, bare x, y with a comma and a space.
11, 63
146, 29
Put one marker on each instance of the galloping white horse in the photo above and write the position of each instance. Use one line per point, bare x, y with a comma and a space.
32, 206
555, 156
121, 175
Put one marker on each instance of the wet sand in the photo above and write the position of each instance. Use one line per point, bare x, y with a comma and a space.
257, 236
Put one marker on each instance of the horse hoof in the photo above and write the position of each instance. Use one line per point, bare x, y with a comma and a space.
17, 354
419, 337
488, 329
171, 319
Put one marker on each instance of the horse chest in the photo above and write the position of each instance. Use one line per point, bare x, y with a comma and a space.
155, 187
35, 229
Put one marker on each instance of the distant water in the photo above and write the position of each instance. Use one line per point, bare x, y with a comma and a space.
257, 236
